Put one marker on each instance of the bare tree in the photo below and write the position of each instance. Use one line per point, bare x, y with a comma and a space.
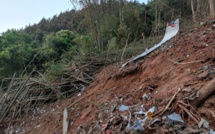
200, 9
211, 5
193, 10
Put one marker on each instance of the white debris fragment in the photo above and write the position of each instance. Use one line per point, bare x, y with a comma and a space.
203, 123
145, 96
142, 106
123, 108
175, 117
170, 32
17, 130
152, 110
212, 131
155, 120
38, 126
140, 112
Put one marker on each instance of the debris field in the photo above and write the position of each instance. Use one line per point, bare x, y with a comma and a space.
172, 90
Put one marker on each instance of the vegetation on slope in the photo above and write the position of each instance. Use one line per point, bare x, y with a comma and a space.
97, 28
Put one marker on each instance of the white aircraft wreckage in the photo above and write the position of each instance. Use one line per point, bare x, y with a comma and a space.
171, 31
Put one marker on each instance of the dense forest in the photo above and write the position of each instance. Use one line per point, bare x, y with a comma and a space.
98, 27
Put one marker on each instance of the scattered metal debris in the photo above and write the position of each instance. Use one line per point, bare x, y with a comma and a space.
203, 123
174, 118
123, 108
145, 97
211, 131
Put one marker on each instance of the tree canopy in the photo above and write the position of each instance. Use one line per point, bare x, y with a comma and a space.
99, 26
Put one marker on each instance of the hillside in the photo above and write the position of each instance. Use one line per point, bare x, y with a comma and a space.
179, 77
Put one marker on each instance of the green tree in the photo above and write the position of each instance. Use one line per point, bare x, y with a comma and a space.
16, 52
63, 41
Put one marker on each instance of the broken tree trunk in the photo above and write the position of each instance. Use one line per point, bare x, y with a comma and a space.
204, 94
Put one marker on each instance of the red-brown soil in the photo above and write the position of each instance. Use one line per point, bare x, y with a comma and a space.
187, 62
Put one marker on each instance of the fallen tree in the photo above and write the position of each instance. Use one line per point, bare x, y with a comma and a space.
206, 92
24, 94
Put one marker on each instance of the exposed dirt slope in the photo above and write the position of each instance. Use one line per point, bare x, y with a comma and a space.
186, 62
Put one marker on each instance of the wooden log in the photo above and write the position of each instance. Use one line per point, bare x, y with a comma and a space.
206, 92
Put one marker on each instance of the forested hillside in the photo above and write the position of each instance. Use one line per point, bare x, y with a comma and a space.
65, 74
98, 27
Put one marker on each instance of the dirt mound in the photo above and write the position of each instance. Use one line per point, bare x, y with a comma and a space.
175, 78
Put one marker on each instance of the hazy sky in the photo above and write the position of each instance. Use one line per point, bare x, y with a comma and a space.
19, 13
